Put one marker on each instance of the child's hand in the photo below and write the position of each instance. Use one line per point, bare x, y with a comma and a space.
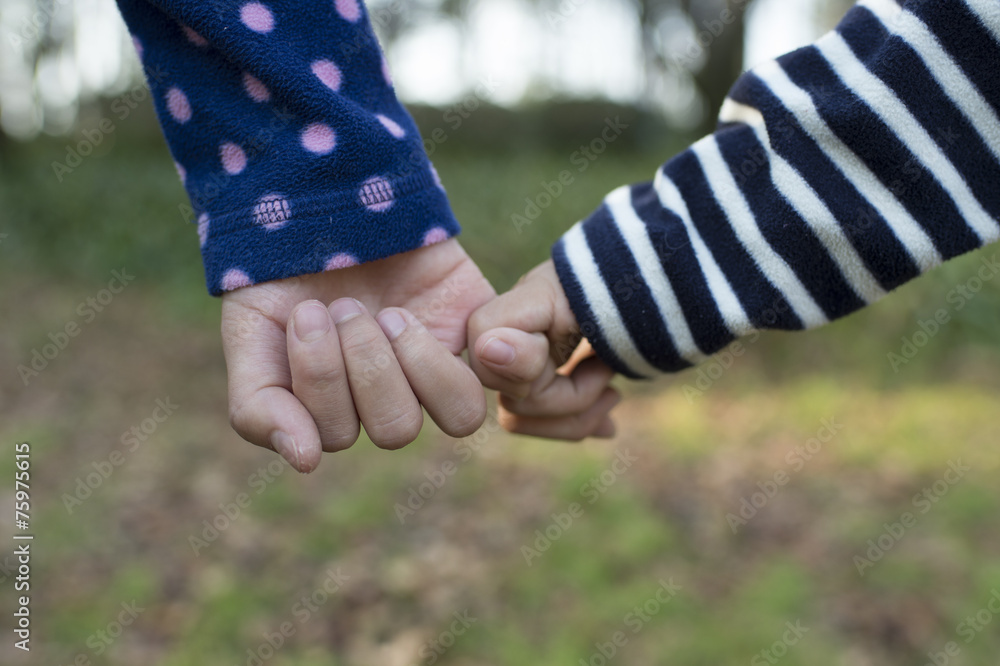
526, 344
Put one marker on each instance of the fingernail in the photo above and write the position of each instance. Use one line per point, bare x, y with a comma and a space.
392, 323
344, 309
284, 444
498, 352
312, 322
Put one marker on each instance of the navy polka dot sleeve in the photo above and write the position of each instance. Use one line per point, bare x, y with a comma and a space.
286, 131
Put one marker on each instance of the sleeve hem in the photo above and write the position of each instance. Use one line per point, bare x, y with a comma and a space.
316, 239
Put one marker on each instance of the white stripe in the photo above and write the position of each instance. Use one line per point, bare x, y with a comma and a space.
913, 237
741, 219
584, 268
730, 308
636, 236
809, 206
908, 129
956, 85
989, 13
734, 112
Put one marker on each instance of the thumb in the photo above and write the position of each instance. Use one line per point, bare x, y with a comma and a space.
510, 360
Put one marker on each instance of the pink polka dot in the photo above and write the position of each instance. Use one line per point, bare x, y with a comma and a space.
376, 194
272, 211
339, 261
392, 126
385, 72
194, 37
328, 73
235, 279
138, 46
182, 172
257, 17
178, 105
203, 223
258, 91
435, 235
349, 9
437, 178
234, 160
319, 138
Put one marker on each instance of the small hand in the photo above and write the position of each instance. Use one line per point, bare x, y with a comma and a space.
526, 344
308, 366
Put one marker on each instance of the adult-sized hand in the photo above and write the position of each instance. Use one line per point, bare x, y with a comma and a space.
308, 364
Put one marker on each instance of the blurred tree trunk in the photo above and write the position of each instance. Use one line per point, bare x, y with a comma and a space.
725, 22
830, 12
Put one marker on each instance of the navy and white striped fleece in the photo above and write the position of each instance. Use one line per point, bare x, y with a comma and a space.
837, 173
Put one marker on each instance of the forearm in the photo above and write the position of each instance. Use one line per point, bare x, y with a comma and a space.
838, 173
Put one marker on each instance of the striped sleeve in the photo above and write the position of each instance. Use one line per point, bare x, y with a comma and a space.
837, 173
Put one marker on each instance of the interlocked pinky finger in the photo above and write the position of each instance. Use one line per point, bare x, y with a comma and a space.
565, 395
592, 422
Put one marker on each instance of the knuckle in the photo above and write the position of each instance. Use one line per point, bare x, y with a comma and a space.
340, 440
321, 378
237, 418
479, 323
362, 343
467, 417
397, 431
521, 402
366, 374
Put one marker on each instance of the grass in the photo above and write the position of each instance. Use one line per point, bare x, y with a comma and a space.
462, 550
